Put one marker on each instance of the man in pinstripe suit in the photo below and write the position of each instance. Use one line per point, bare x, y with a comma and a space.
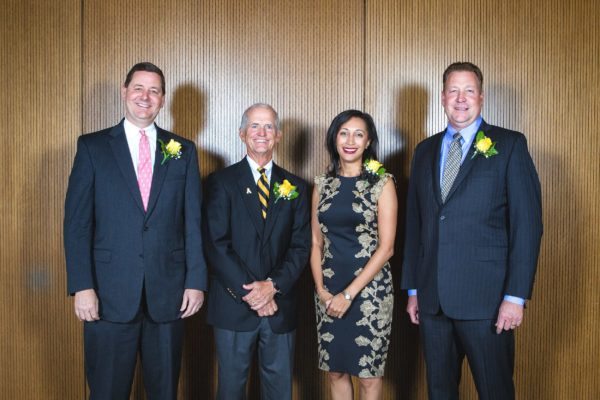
133, 245
473, 231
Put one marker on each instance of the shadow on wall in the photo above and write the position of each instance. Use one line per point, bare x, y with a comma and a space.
188, 109
404, 369
294, 148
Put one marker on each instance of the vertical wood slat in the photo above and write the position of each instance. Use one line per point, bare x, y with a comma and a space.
40, 340
311, 60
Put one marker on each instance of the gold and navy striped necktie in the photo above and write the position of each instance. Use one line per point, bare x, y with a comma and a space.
263, 192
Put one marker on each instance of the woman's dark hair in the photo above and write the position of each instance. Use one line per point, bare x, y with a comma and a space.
332, 132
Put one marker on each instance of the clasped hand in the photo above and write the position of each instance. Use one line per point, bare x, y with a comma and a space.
261, 297
335, 306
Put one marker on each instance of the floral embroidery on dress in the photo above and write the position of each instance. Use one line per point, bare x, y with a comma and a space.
366, 204
377, 298
323, 318
377, 317
327, 189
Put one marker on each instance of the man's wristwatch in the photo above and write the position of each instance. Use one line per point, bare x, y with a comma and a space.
347, 295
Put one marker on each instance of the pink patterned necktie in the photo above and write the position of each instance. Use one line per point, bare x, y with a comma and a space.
144, 168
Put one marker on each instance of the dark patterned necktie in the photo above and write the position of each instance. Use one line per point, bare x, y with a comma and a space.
263, 192
452, 165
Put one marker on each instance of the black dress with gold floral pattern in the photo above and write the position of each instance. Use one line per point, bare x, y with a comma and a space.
347, 211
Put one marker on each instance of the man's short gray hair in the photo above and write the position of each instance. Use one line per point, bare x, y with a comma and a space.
244, 122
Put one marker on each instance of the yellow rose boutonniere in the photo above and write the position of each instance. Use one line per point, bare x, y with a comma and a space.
374, 167
284, 190
484, 146
171, 150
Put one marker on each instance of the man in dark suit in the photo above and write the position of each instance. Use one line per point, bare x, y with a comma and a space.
133, 244
257, 242
473, 231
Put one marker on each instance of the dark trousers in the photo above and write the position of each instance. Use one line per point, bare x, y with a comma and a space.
235, 352
111, 352
446, 341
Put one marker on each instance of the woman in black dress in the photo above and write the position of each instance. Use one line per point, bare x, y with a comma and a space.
353, 228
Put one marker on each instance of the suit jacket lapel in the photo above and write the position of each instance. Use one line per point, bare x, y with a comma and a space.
274, 207
436, 168
247, 188
467, 165
160, 171
120, 150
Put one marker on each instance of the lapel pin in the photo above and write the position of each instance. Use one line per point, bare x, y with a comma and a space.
248, 191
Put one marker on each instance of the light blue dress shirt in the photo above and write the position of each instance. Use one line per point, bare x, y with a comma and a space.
468, 135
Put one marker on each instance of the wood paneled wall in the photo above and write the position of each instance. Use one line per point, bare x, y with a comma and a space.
63, 61
40, 110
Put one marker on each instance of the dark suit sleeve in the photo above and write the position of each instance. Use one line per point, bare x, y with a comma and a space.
412, 230
79, 221
196, 276
525, 220
226, 264
286, 274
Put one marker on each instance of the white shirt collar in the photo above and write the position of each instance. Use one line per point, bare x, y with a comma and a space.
254, 168
130, 128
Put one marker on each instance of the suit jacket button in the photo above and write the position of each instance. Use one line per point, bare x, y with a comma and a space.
146, 228
443, 217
